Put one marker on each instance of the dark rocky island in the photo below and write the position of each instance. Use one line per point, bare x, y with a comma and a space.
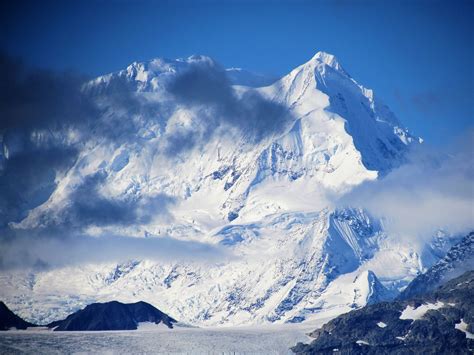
112, 316
9, 320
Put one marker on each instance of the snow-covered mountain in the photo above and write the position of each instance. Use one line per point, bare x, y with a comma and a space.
252, 170
458, 260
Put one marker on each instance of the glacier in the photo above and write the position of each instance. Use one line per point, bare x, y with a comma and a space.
229, 175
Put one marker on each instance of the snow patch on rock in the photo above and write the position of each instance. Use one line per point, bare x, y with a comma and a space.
415, 313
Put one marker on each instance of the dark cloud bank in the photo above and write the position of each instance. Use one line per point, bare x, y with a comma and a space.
32, 101
87, 207
205, 84
37, 108
46, 249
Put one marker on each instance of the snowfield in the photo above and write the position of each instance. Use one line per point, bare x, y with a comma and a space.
417, 313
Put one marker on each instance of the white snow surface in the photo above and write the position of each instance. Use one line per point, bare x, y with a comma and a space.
381, 324
462, 326
151, 326
296, 257
271, 339
413, 313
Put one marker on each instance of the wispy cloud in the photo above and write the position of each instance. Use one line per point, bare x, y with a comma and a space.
434, 191
38, 248
88, 207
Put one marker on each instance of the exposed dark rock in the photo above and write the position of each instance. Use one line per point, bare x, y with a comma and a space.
113, 316
378, 329
9, 320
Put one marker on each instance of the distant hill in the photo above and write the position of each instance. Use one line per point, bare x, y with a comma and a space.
9, 320
113, 316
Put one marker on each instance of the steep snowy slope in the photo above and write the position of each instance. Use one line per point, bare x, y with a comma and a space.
459, 259
250, 169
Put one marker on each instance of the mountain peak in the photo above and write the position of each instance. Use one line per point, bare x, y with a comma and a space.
328, 59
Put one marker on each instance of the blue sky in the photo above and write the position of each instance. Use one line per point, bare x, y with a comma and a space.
416, 55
